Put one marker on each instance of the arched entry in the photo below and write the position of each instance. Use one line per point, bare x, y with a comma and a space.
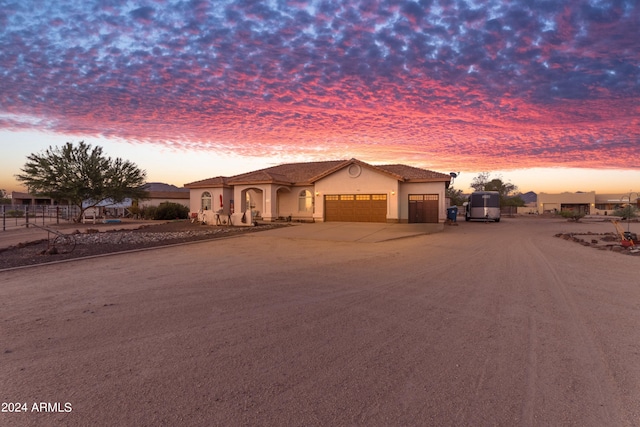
252, 199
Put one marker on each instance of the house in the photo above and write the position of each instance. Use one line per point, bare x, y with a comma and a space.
581, 202
27, 199
162, 193
157, 193
338, 190
585, 202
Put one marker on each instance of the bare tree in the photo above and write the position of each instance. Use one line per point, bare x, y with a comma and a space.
479, 182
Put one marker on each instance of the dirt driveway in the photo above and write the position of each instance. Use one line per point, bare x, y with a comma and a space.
481, 324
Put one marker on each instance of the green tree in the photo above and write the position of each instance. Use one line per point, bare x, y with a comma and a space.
456, 196
83, 176
514, 201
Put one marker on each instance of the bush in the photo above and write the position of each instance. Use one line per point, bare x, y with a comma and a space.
148, 212
16, 213
170, 210
627, 212
572, 215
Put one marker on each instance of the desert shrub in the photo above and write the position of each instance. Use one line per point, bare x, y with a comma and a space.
148, 212
627, 212
572, 215
169, 210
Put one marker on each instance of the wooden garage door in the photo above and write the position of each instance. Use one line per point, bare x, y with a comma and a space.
355, 207
423, 208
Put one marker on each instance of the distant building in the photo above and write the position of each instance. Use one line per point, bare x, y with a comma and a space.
158, 193
588, 203
162, 193
19, 198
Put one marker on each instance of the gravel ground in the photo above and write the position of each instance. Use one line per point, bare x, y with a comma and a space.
482, 324
93, 243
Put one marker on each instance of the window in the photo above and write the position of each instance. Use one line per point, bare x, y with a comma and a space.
205, 204
305, 201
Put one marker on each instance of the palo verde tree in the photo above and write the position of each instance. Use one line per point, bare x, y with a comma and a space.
83, 176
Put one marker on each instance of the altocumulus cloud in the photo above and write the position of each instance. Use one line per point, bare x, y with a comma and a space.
496, 84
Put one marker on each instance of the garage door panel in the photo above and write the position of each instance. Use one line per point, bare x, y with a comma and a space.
423, 208
356, 207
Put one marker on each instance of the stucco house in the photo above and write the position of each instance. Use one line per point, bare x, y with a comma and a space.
338, 190
587, 202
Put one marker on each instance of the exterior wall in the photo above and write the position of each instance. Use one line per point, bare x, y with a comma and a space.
288, 203
421, 188
18, 198
550, 202
527, 210
366, 182
607, 204
195, 199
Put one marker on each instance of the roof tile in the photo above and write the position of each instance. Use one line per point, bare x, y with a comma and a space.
308, 172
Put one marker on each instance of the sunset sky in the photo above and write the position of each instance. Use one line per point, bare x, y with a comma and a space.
544, 93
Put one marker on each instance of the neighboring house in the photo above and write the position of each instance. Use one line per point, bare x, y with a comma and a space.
585, 202
339, 190
19, 198
162, 193
158, 193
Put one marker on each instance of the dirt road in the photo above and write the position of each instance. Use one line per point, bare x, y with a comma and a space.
482, 324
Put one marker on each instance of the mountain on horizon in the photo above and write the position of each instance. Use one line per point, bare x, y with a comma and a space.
160, 186
529, 197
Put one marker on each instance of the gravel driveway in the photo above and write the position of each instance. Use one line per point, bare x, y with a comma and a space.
481, 324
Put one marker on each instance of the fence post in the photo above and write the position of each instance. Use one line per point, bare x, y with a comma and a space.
4, 217
57, 214
26, 215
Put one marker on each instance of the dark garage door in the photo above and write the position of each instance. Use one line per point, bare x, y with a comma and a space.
423, 208
355, 207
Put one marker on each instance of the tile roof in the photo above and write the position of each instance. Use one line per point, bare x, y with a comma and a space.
309, 172
410, 173
218, 181
288, 173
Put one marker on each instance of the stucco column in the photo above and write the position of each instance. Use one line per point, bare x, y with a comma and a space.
270, 211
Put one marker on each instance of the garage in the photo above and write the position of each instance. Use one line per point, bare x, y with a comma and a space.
423, 208
355, 207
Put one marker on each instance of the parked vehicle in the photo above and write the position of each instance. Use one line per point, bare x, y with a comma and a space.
483, 205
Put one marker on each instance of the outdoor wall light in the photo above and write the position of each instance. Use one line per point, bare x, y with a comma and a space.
393, 193
317, 193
